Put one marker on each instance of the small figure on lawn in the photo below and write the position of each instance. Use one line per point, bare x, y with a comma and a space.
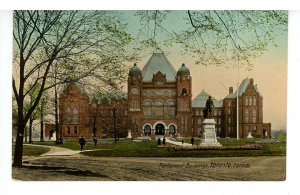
82, 142
192, 141
208, 108
95, 141
182, 141
158, 141
164, 141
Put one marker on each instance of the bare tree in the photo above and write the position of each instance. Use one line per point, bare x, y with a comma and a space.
87, 42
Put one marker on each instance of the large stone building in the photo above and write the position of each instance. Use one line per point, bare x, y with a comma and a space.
159, 102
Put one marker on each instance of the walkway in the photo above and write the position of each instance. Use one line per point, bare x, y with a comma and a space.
177, 143
59, 151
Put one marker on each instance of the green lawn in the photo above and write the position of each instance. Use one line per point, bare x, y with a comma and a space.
31, 150
148, 148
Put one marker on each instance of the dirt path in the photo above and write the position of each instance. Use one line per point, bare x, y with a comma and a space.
81, 167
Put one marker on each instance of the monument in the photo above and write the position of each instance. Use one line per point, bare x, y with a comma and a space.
209, 137
249, 136
129, 135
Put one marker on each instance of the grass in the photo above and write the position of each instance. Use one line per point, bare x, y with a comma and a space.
31, 150
148, 148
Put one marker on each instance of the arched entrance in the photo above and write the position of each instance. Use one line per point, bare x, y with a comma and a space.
147, 130
172, 130
159, 129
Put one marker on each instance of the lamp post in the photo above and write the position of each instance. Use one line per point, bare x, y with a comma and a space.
114, 121
95, 109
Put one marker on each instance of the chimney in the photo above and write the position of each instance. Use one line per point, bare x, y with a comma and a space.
251, 81
230, 90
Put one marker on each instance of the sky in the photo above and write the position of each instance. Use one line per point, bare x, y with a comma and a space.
269, 72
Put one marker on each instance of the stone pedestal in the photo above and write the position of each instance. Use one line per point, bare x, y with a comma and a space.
209, 137
249, 136
129, 134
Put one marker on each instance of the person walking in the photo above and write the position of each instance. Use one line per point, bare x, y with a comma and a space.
192, 141
95, 141
82, 142
164, 141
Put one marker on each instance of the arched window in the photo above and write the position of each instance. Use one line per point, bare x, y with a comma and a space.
147, 130
159, 108
172, 130
147, 108
75, 116
68, 116
184, 91
171, 108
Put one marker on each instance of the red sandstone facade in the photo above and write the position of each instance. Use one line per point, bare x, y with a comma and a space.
159, 102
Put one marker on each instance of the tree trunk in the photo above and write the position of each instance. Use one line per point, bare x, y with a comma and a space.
18, 156
57, 132
42, 120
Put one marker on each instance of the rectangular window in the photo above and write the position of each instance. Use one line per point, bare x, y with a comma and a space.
246, 119
247, 127
254, 115
199, 121
229, 112
229, 120
201, 113
219, 121
69, 129
229, 103
254, 101
215, 112
250, 101
75, 129
254, 128
246, 100
197, 112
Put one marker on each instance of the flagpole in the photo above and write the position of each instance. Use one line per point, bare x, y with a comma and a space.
237, 99
237, 108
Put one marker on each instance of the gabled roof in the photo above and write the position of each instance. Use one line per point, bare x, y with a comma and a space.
200, 100
76, 86
158, 62
242, 88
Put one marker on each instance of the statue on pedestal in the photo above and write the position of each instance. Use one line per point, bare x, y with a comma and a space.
208, 108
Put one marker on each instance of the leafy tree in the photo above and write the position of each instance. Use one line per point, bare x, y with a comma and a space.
222, 38
87, 43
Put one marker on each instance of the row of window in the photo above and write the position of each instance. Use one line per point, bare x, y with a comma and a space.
247, 119
75, 130
214, 112
199, 121
70, 120
250, 100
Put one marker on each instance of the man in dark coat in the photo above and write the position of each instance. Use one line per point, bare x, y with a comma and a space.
82, 142
192, 141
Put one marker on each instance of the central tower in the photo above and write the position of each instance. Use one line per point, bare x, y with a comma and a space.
159, 98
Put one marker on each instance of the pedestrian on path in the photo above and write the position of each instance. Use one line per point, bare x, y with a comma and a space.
164, 141
158, 141
192, 141
95, 141
182, 141
82, 142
